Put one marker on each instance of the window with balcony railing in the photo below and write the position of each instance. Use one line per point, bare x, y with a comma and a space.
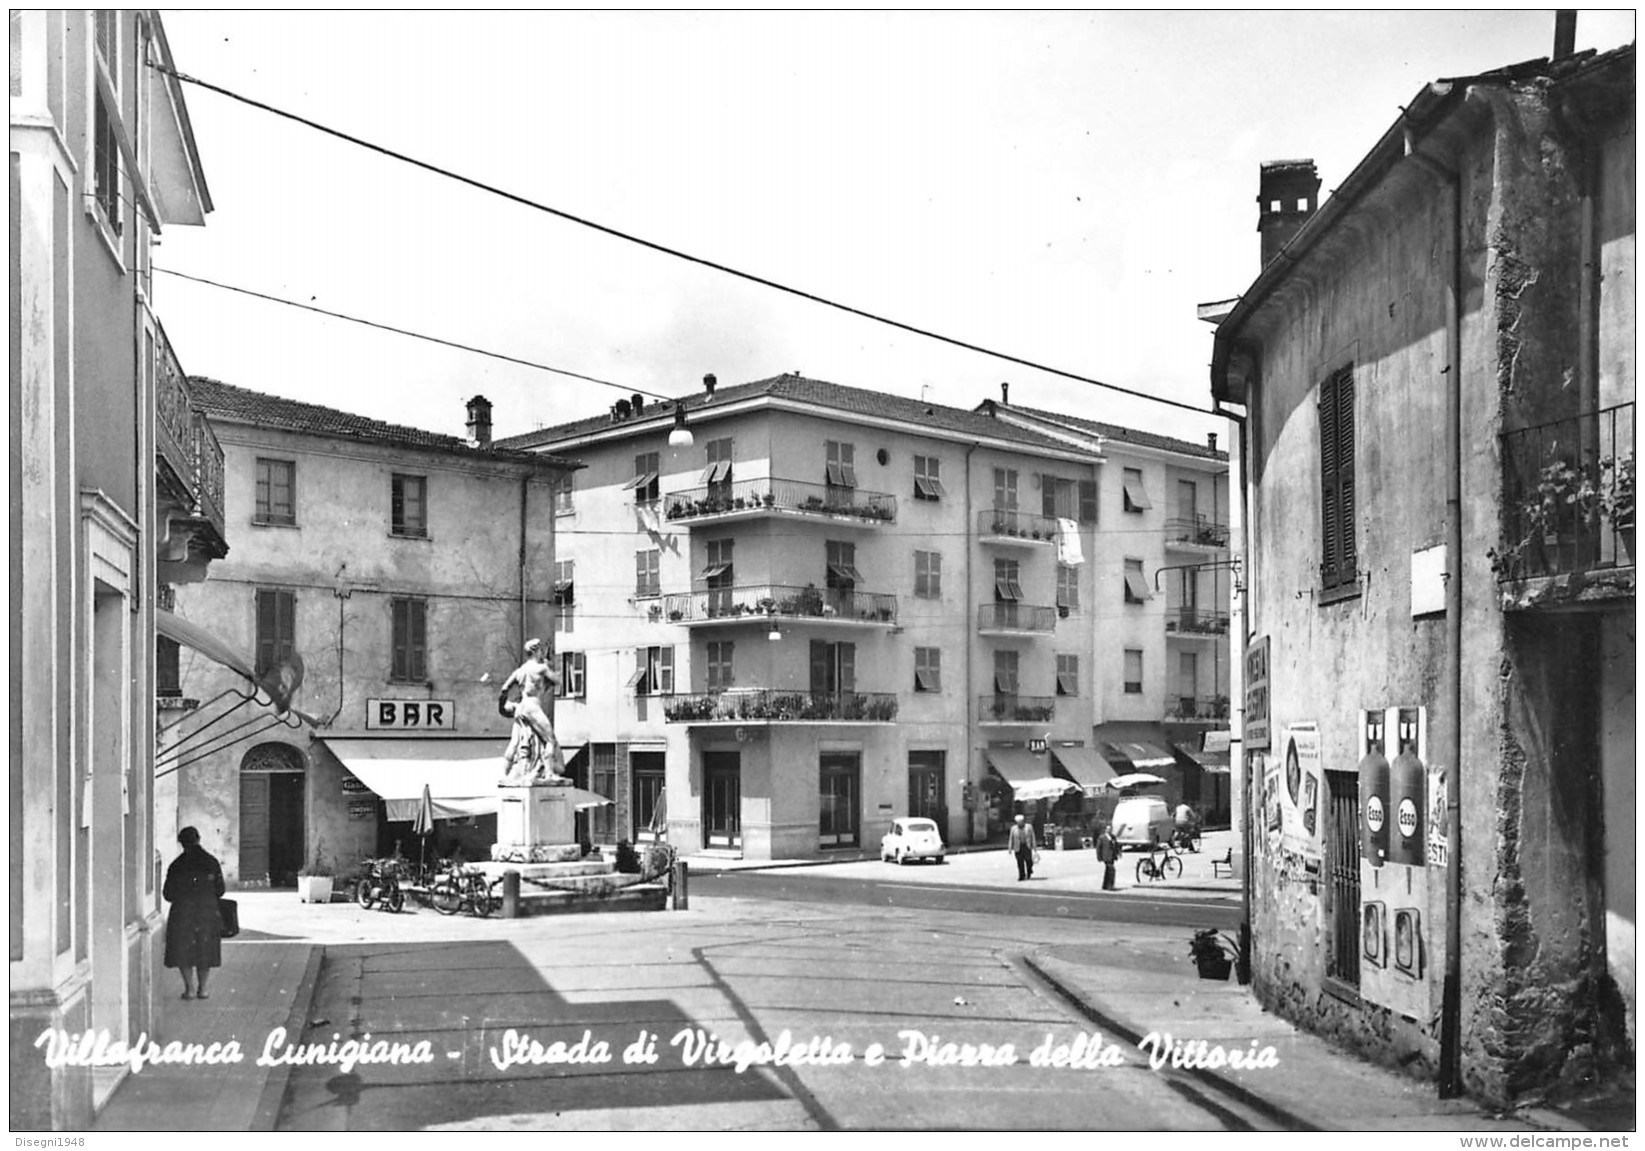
1568, 496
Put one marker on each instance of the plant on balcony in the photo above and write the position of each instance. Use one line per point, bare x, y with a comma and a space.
997, 527
882, 710
809, 601
769, 499
813, 503
1565, 495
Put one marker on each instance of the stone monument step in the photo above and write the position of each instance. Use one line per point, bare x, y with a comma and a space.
633, 897
593, 866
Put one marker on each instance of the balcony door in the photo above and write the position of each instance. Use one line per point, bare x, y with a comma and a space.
722, 799
839, 791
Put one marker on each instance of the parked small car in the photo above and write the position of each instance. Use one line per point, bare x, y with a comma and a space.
1141, 819
912, 839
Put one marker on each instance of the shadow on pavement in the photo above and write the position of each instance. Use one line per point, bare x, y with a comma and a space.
463, 999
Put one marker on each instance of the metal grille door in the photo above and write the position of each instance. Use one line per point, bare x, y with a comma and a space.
1342, 862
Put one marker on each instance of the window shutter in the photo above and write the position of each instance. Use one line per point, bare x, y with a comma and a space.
1088, 501
1347, 559
665, 671
419, 639
1330, 524
1048, 497
848, 666
819, 666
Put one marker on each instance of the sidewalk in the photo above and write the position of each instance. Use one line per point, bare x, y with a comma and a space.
260, 986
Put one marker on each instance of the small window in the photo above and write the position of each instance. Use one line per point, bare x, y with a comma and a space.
1136, 587
276, 493
106, 165
841, 561
648, 572
1005, 672
1068, 675
276, 628
565, 583
719, 674
562, 494
1133, 671
573, 675
1005, 489
410, 660
1007, 585
927, 669
928, 575
1136, 496
168, 677
409, 506
717, 454
1068, 587
928, 478
645, 484
1059, 499
840, 470
653, 671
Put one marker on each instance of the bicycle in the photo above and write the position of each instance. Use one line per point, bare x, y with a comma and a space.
1185, 839
1160, 863
460, 888
380, 884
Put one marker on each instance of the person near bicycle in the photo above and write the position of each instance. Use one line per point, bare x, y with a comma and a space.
535, 679
1108, 851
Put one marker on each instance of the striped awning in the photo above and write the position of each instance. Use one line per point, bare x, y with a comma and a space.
1085, 765
1143, 756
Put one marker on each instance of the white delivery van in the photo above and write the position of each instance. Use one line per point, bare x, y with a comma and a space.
1139, 819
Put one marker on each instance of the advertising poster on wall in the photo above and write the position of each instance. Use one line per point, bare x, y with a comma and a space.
1437, 841
1299, 792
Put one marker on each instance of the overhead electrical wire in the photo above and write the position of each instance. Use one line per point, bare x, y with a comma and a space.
626, 390
668, 251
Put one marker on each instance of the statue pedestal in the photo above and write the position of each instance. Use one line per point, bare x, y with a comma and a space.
535, 824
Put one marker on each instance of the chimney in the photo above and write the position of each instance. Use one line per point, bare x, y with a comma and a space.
1564, 33
1287, 195
1211, 440
708, 383
1005, 393
639, 403
479, 422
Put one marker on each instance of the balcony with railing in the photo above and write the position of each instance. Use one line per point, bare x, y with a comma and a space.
1008, 618
1004, 708
1568, 510
1011, 528
768, 496
1193, 621
188, 472
758, 603
769, 705
1195, 532
1202, 709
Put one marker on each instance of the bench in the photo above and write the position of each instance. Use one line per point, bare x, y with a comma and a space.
1225, 862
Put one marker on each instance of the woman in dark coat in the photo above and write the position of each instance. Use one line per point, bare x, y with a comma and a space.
194, 930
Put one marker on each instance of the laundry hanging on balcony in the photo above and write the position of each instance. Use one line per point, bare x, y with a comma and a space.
1068, 543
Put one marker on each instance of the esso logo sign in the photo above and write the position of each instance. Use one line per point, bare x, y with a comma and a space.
1373, 813
1407, 818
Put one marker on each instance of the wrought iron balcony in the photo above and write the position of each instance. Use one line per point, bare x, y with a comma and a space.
768, 705
1012, 528
188, 469
769, 496
1568, 497
753, 603
1003, 708
1014, 618
1196, 532
1203, 708
1195, 621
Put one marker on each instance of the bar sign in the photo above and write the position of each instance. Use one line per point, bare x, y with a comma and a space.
411, 714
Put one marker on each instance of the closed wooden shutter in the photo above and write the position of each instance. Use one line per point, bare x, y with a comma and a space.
1347, 559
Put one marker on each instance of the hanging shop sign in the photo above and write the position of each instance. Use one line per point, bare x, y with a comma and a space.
411, 715
366, 810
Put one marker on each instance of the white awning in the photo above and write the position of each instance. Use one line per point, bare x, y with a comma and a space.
1020, 768
1085, 765
1144, 756
175, 627
461, 774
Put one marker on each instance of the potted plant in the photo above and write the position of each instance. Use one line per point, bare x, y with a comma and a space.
1213, 953
314, 878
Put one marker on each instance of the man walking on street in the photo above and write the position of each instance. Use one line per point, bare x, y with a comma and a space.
1108, 850
1021, 845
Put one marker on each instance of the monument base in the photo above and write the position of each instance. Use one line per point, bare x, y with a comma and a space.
536, 823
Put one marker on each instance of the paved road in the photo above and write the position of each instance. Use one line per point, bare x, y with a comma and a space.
907, 888
836, 977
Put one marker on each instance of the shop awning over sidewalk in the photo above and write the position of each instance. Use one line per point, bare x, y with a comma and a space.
1210, 762
461, 774
1085, 766
1144, 756
1019, 767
